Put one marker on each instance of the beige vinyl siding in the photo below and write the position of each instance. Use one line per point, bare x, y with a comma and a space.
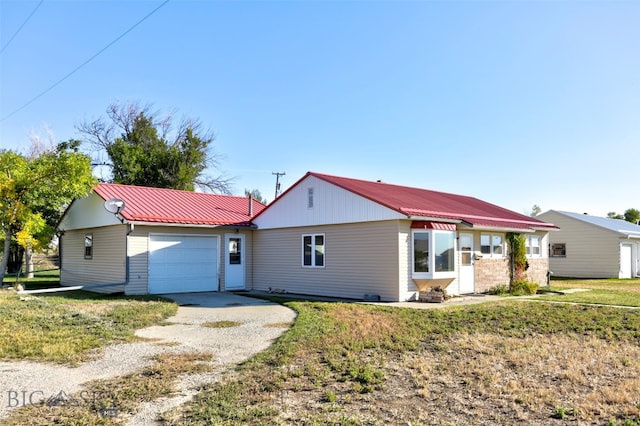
138, 262
360, 259
139, 249
592, 252
408, 289
107, 264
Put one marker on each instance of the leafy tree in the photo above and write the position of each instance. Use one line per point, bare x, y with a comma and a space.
535, 210
256, 195
632, 215
143, 149
34, 190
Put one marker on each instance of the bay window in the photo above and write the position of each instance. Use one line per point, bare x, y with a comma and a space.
433, 253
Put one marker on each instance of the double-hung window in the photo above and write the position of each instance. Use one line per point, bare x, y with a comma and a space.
313, 251
532, 245
492, 245
433, 253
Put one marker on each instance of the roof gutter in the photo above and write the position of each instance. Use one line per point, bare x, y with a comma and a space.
433, 219
195, 225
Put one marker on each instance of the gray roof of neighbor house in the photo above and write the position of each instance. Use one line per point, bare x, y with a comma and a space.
617, 225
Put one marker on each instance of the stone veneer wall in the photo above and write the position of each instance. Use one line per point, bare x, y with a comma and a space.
537, 271
490, 273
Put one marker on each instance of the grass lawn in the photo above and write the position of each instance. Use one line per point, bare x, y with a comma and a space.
512, 362
41, 279
64, 327
601, 291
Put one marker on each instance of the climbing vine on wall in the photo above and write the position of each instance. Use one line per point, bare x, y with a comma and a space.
517, 257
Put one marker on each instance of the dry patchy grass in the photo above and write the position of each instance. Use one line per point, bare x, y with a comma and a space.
119, 396
66, 328
505, 363
221, 324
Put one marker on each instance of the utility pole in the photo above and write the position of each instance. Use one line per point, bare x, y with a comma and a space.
278, 174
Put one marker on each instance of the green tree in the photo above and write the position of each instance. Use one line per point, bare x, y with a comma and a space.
143, 150
632, 215
34, 191
256, 195
535, 210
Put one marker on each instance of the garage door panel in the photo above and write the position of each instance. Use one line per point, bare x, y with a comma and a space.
183, 263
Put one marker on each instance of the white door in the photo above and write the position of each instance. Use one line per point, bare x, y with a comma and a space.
234, 262
625, 261
182, 263
467, 281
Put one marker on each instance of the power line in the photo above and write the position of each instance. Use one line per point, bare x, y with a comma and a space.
20, 28
44, 92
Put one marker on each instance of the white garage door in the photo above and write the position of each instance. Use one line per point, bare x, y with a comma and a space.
182, 263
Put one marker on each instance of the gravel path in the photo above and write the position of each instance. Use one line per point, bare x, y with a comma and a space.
261, 323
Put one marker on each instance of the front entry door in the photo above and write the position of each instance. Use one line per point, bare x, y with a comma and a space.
234, 270
467, 281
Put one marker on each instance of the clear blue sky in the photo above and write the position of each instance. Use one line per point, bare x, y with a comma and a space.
516, 103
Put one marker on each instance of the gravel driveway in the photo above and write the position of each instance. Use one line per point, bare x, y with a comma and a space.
261, 323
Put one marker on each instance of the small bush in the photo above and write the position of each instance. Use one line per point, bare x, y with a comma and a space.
521, 288
499, 290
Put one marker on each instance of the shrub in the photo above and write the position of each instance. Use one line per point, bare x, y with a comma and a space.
499, 290
522, 287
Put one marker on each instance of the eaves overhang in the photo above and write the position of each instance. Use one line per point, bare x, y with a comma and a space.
193, 225
433, 219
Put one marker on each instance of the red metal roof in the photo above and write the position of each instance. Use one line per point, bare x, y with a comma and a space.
417, 202
170, 206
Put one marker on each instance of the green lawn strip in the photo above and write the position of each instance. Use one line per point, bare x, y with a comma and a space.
597, 296
41, 279
108, 402
345, 347
62, 328
632, 284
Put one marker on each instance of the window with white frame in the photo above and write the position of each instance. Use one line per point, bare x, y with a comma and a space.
313, 251
492, 245
532, 245
433, 252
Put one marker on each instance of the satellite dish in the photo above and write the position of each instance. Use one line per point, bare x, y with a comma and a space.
114, 205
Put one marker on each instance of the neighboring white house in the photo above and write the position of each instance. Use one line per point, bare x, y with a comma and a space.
324, 236
593, 247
